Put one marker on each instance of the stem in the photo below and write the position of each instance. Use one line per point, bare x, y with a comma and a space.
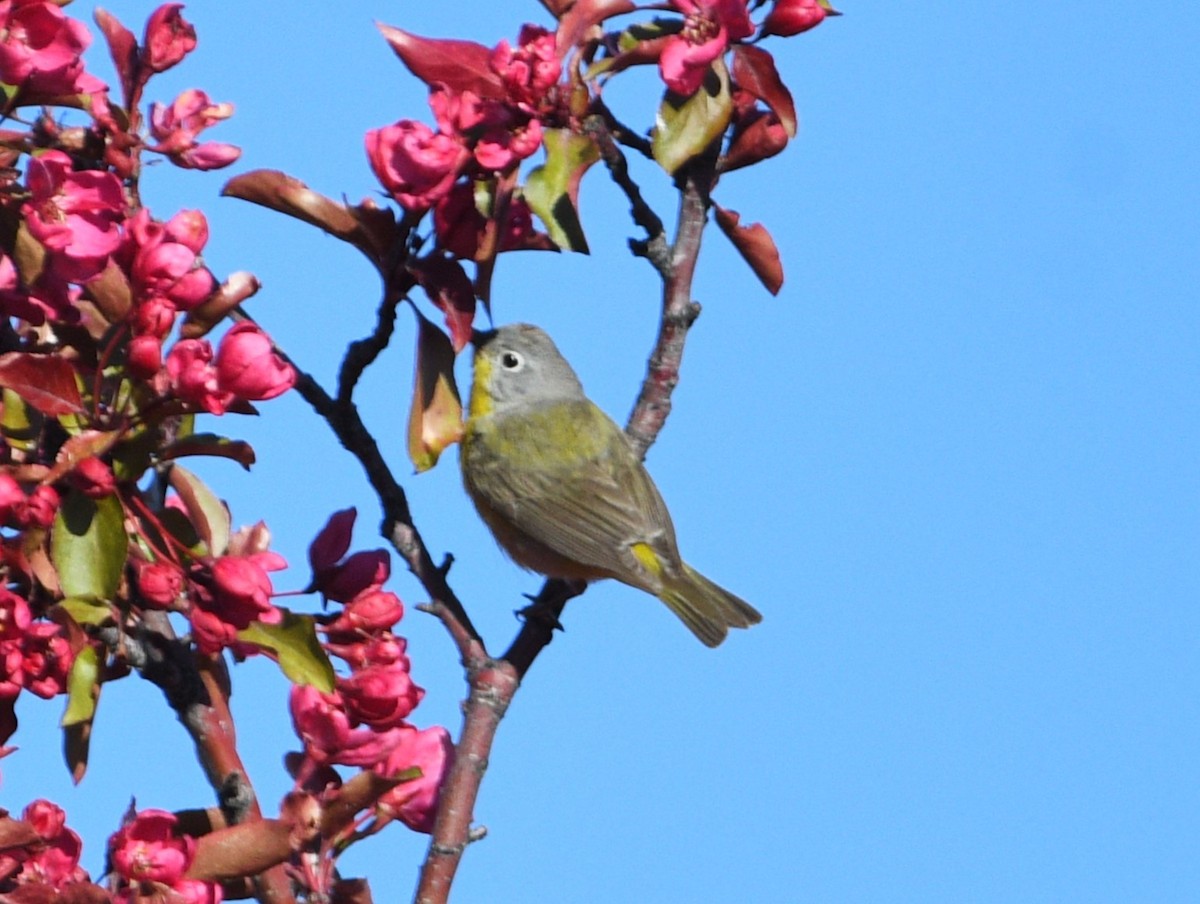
493, 683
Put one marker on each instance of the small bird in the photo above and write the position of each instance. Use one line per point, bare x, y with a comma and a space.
560, 487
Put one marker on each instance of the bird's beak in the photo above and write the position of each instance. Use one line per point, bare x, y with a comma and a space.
480, 338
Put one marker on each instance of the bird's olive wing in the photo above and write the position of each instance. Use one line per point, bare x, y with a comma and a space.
588, 508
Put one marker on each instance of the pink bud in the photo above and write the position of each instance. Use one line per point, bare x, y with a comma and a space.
371, 611
11, 496
39, 508
380, 696
94, 478
46, 818
414, 163
415, 802
319, 719
248, 365
790, 17
154, 317
159, 583
168, 38
146, 849
145, 356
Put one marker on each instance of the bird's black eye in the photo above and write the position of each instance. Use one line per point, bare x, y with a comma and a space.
511, 361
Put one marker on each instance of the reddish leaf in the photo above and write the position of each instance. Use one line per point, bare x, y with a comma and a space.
77, 448
754, 70
755, 245
435, 420
582, 15
122, 46
756, 138
211, 444
449, 288
460, 65
45, 382
372, 230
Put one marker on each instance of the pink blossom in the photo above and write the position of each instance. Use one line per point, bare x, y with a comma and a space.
159, 583
415, 164
356, 574
708, 28
790, 17
380, 696
242, 589
175, 127
94, 478
145, 356
75, 215
166, 262
505, 143
169, 38
11, 495
39, 508
146, 849
371, 611
248, 366
40, 49
320, 721
530, 71
47, 819
56, 863
154, 317
193, 377
15, 617
46, 660
212, 635
415, 802
194, 891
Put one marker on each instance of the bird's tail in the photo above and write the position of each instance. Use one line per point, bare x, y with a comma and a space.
709, 611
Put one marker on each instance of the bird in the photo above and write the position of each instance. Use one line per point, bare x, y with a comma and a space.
563, 491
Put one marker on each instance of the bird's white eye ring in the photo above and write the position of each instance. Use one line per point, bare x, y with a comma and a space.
511, 361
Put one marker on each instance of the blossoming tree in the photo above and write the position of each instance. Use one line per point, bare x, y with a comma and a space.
118, 559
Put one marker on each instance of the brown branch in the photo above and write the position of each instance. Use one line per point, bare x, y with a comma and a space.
197, 688
343, 418
493, 683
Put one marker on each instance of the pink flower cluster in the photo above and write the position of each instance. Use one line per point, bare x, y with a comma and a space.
48, 864
363, 721
41, 51
476, 134
710, 26
34, 656
177, 126
150, 858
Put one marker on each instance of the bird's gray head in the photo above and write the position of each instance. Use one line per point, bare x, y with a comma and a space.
518, 366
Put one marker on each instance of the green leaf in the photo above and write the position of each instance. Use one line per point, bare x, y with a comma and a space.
85, 611
686, 126
83, 687
206, 511
89, 546
20, 422
552, 189
294, 642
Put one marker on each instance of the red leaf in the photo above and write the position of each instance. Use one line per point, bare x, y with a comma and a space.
44, 381
755, 245
123, 48
449, 288
582, 15
755, 138
754, 71
460, 65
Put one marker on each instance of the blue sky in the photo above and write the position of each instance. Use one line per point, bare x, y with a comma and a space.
953, 463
